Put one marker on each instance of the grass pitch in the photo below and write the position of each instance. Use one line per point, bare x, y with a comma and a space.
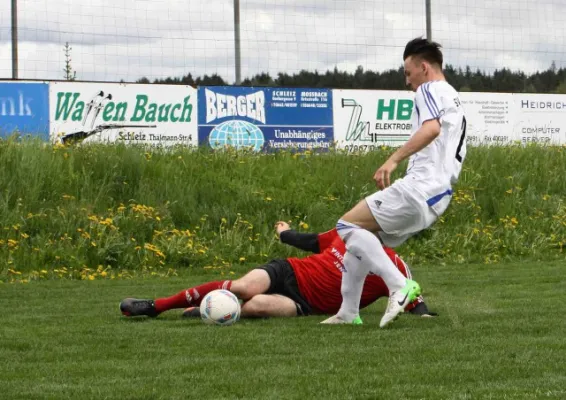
500, 335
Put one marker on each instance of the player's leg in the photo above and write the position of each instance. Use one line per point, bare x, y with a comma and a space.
365, 253
133, 307
262, 306
269, 305
353, 277
254, 282
272, 291
280, 295
361, 233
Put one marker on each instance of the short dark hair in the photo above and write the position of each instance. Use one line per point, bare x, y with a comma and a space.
424, 49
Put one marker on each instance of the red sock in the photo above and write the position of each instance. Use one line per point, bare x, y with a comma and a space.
190, 297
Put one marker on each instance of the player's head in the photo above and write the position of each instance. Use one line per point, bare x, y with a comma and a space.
423, 62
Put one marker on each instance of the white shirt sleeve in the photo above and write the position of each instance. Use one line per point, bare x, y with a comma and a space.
428, 103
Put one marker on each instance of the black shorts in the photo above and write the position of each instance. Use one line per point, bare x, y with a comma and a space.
284, 282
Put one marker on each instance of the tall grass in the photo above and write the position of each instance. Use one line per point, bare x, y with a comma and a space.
93, 211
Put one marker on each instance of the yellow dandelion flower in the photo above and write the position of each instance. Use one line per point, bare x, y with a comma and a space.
242, 259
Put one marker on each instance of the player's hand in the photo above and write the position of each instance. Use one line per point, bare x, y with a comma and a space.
429, 315
382, 176
422, 310
281, 226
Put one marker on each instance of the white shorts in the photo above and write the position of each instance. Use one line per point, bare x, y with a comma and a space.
401, 211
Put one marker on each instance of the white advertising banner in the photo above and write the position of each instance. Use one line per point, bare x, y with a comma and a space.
489, 118
540, 118
156, 115
366, 119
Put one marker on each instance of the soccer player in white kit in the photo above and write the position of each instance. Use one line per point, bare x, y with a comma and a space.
436, 150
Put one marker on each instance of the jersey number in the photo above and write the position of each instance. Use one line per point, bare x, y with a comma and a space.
462, 138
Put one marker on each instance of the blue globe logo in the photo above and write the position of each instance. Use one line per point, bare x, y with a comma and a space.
238, 134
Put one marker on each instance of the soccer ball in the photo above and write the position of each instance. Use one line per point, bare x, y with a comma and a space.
220, 307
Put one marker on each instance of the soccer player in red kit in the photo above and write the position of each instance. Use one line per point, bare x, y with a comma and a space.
285, 287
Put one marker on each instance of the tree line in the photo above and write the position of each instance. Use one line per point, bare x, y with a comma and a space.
553, 80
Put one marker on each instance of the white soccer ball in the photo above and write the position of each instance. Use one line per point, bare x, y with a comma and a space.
220, 307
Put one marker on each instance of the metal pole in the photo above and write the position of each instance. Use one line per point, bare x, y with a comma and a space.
14, 39
237, 42
428, 22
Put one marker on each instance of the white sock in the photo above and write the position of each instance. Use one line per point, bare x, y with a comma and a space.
369, 249
353, 278
372, 252
345, 228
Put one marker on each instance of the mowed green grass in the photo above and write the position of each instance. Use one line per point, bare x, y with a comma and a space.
500, 335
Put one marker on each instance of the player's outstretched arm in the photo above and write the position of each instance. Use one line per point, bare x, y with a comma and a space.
303, 241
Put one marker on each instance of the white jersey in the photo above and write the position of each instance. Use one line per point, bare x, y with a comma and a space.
441, 161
